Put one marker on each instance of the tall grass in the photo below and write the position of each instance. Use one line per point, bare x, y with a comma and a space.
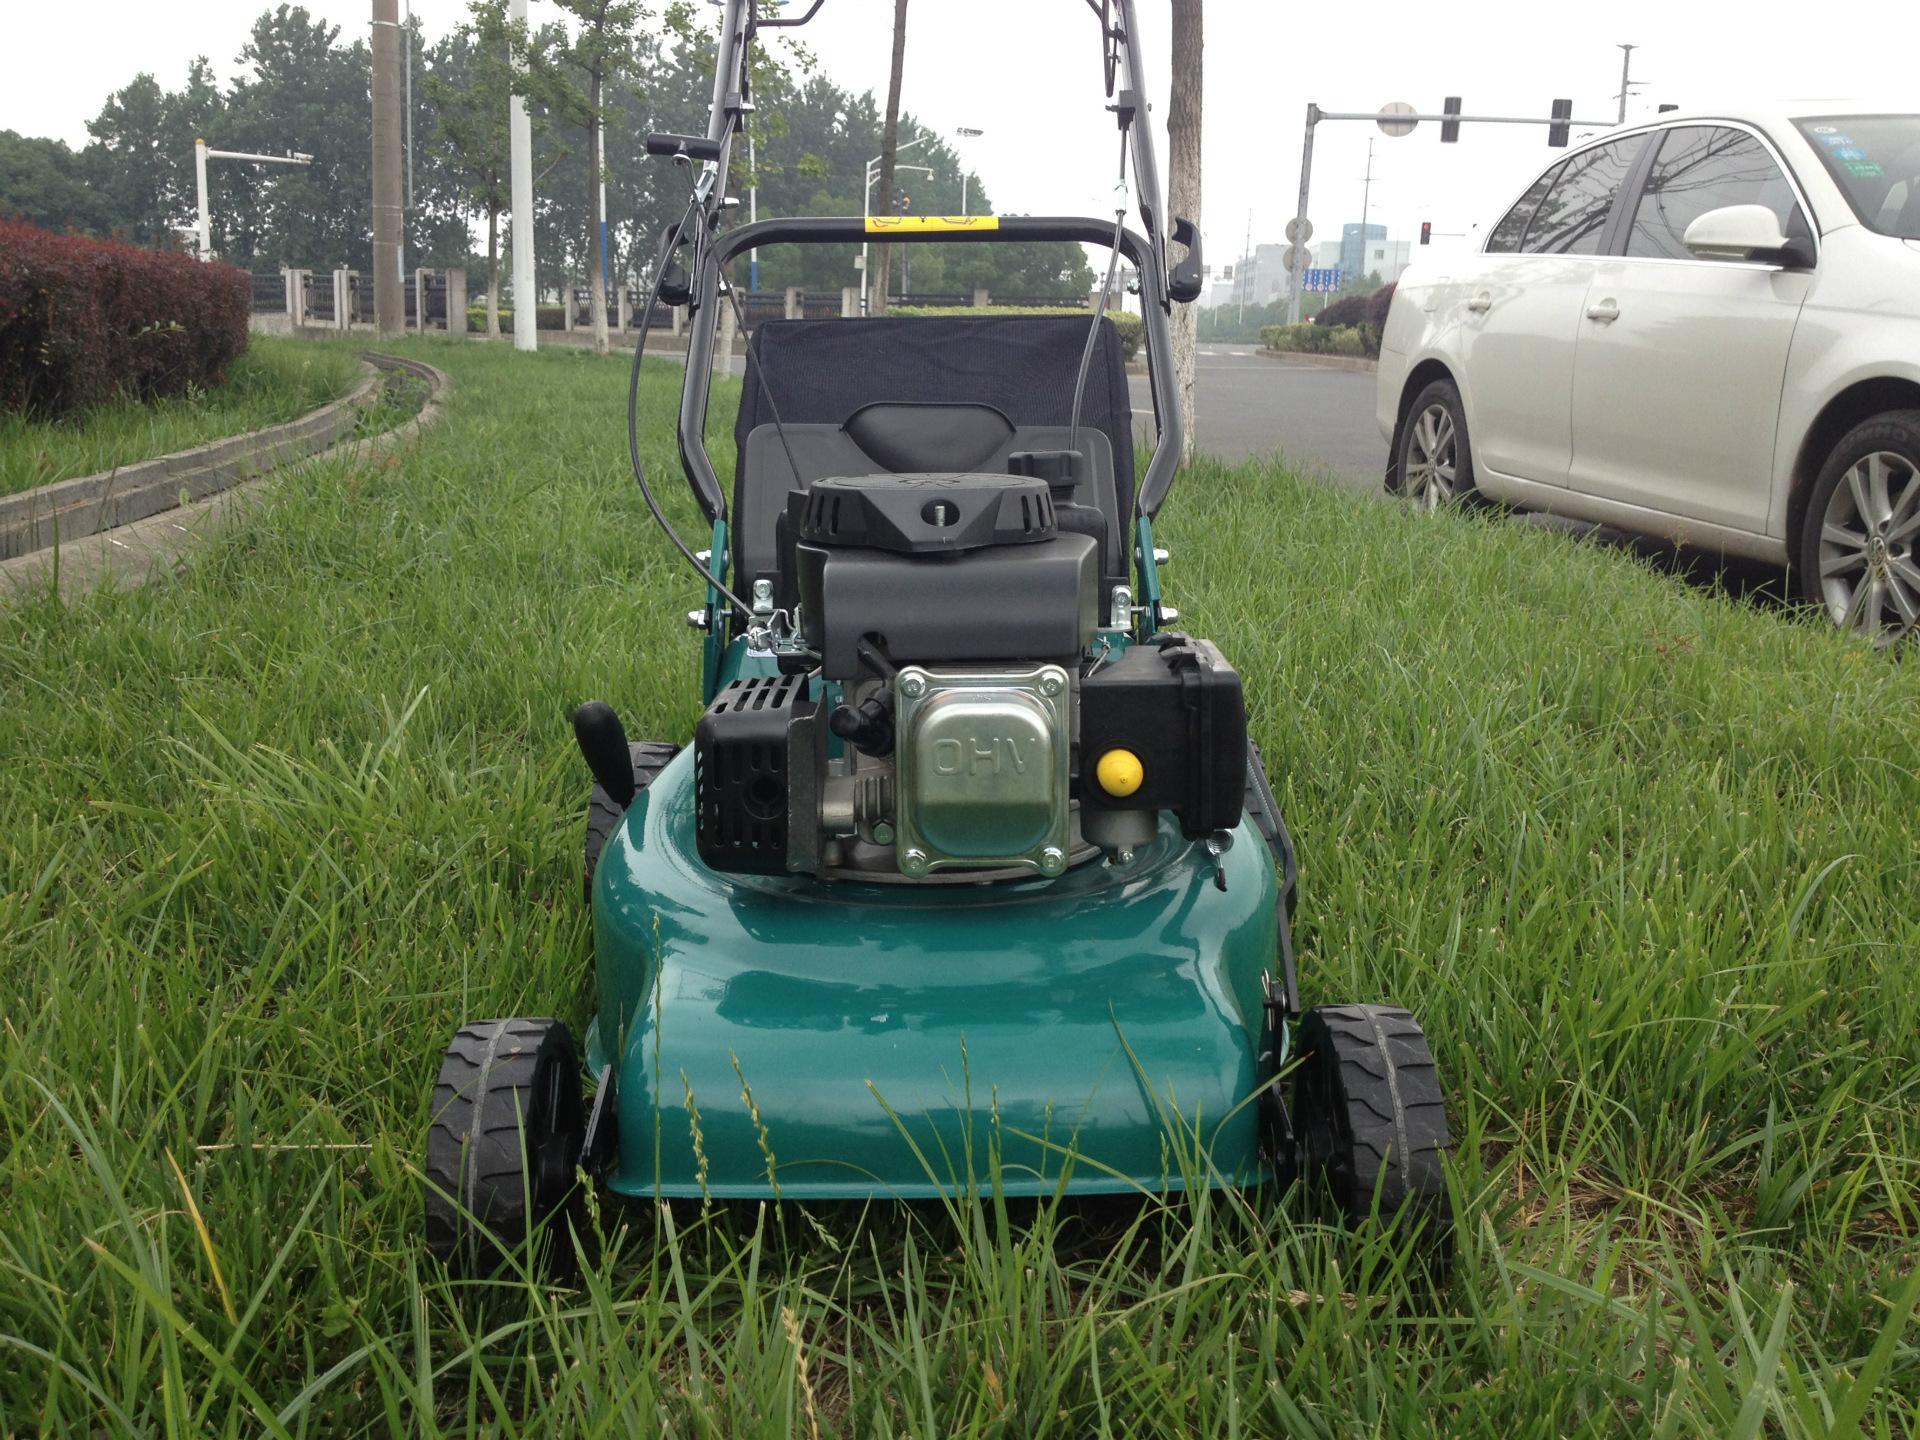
1642, 858
277, 379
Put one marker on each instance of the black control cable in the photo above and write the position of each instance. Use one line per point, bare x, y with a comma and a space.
1100, 309
633, 431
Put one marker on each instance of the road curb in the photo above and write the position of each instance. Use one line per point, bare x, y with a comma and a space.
152, 526
1321, 362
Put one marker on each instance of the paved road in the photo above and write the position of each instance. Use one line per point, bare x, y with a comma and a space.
1320, 420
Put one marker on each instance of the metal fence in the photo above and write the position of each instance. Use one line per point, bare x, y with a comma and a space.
269, 294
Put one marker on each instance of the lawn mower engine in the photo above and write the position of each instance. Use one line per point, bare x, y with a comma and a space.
975, 719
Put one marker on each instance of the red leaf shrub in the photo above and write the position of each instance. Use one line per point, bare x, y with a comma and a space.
1377, 304
83, 320
1347, 310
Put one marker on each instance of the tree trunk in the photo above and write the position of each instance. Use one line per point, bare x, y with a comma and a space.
889, 146
597, 283
493, 272
1183, 194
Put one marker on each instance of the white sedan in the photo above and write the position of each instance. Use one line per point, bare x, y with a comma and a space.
1705, 329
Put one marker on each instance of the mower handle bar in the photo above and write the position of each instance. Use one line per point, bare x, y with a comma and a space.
707, 488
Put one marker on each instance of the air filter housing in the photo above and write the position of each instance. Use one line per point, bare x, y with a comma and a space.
932, 514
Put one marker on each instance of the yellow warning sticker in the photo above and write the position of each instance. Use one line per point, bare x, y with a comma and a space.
928, 224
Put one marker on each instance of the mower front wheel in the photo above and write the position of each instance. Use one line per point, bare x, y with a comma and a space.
508, 1127
1370, 1115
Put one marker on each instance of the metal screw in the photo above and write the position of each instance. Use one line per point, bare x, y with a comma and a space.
1051, 681
914, 862
762, 596
912, 684
696, 619
1123, 855
1052, 860
883, 834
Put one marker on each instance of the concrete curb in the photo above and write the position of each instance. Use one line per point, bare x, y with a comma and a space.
145, 538
1321, 362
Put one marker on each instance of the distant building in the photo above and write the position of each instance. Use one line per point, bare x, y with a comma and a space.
1372, 253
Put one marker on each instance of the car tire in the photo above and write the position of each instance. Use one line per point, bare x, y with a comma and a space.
508, 1127
1433, 466
650, 757
1859, 556
1371, 1118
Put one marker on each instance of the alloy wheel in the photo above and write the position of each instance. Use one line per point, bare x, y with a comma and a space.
1869, 559
1432, 458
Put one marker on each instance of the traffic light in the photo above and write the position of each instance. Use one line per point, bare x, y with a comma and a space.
1426, 232
1557, 133
1450, 129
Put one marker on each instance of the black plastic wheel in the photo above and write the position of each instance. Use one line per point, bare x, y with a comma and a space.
1370, 1115
650, 757
508, 1125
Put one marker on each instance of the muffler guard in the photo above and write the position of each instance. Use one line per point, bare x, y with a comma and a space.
1100, 1032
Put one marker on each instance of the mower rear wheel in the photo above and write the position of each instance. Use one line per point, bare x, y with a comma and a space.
1370, 1115
650, 757
508, 1125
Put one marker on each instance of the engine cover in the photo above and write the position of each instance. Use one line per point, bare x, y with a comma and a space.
982, 759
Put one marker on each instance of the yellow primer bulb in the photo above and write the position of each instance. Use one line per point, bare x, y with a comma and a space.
1119, 772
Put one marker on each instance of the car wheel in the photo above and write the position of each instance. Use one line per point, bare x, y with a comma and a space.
1860, 543
1435, 463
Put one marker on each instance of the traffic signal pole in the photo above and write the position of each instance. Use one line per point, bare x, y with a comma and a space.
1401, 122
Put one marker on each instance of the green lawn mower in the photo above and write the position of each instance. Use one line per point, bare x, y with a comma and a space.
970, 874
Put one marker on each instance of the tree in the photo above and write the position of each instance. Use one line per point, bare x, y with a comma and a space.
601, 50
889, 149
470, 86
43, 182
1183, 191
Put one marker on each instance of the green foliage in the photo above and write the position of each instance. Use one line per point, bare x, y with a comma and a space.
1641, 856
276, 379
1314, 339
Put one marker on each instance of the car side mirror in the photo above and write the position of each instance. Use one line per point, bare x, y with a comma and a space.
1745, 232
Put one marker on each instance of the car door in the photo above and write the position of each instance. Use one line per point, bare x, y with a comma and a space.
1519, 314
1677, 374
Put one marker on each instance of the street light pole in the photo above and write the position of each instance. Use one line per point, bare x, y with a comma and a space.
866, 209
526, 303
966, 133
201, 154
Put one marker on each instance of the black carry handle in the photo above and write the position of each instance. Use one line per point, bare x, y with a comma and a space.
694, 147
1185, 281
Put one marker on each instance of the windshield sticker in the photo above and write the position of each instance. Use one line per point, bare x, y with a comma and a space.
1836, 139
1823, 129
1864, 170
1849, 152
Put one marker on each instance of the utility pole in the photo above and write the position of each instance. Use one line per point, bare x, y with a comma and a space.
389, 290
1246, 254
1626, 65
526, 300
1366, 204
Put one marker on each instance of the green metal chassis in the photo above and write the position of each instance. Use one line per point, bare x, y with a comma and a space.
1099, 1032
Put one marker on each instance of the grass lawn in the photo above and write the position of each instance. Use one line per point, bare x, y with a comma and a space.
277, 379
1644, 860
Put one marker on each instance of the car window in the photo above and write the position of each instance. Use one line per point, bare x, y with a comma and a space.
1875, 159
1701, 168
1573, 216
1512, 229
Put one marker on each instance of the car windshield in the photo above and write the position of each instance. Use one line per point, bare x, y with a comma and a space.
1876, 160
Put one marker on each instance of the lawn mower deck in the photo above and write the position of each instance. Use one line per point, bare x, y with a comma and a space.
969, 874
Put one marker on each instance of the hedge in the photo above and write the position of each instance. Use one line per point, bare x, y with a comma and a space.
1311, 339
84, 320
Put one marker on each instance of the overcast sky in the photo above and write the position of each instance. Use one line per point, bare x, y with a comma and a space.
1027, 73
